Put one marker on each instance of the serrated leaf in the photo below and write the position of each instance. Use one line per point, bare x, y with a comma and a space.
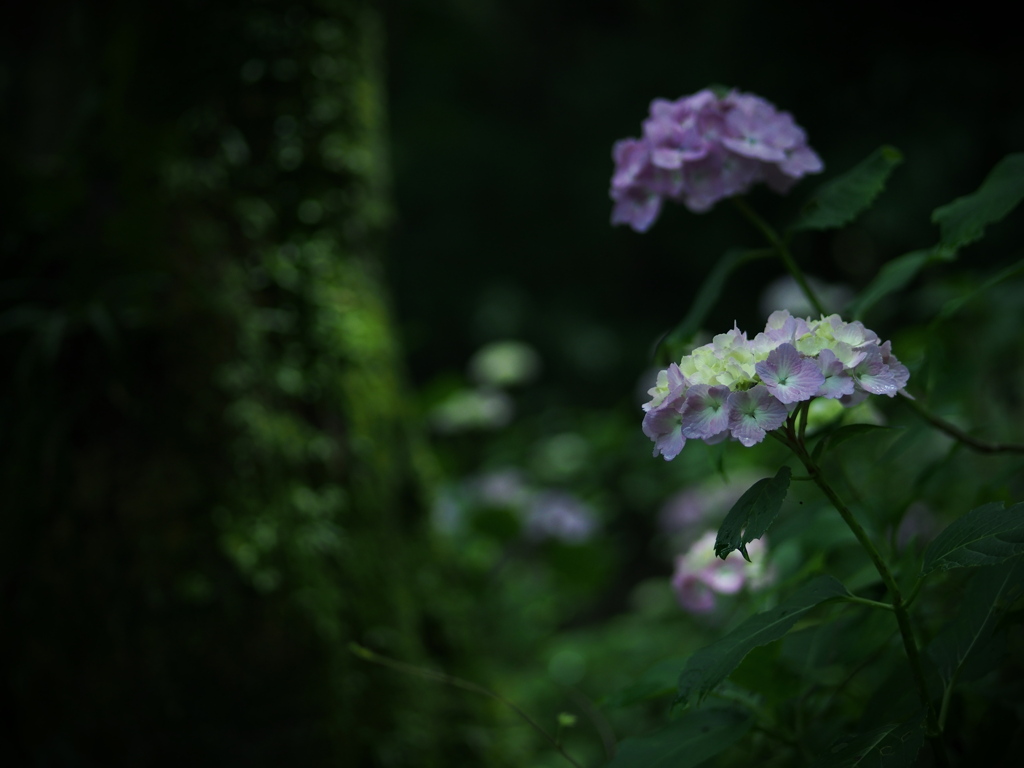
964, 220
893, 276
841, 200
671, 346
987, 535
988, 595
689, 741
752, 514
889, 746
960, 223
841, 435
709, 666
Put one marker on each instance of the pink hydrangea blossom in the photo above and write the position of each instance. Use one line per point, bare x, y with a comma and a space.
700, 577
703, 148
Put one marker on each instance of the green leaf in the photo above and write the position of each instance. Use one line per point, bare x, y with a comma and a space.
671, 346
984, 536
841, 200
893, 276
765, 677
960, 223
964, 220
689, 741
989, 594
842, 434
890, 746
752, 515
709, 666
656, 682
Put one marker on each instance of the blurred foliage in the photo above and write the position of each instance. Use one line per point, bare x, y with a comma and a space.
211, 479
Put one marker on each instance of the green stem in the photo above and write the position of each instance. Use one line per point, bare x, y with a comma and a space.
958, 434
898, 606
865, 601
783, 250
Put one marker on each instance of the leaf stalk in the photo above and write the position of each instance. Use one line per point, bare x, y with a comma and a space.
782, 249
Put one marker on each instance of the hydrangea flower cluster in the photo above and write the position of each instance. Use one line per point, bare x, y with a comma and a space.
740, 388
545, 514
703, 148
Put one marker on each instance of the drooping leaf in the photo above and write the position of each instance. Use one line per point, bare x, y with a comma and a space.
984, 536
689, 741
841, 200
709, 666
671, 346
893, 276
964, 220
889, 746
988, 595
752, 514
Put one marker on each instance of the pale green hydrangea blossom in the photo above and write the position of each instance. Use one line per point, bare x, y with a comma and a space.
740, 388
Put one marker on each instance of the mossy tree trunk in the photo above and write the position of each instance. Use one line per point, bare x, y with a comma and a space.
209, 478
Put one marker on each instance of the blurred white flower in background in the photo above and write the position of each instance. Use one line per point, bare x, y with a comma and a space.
784, 293
504, 364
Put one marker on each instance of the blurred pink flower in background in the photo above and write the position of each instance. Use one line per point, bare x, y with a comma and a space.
918, 526
700, 576
692, 510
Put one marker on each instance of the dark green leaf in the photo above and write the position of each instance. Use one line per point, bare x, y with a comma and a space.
890, 746
984, 536
751, 516
841, 435
764, 676
989, 594
689, 741
656, 682
961, 222
893, 276
841, 200
964, 220
709, 666
671, 346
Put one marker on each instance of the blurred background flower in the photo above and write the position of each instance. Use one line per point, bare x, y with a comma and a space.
700, 577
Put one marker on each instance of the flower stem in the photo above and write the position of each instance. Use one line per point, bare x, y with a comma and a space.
865, 601
958, 434
898, 605
783, 250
